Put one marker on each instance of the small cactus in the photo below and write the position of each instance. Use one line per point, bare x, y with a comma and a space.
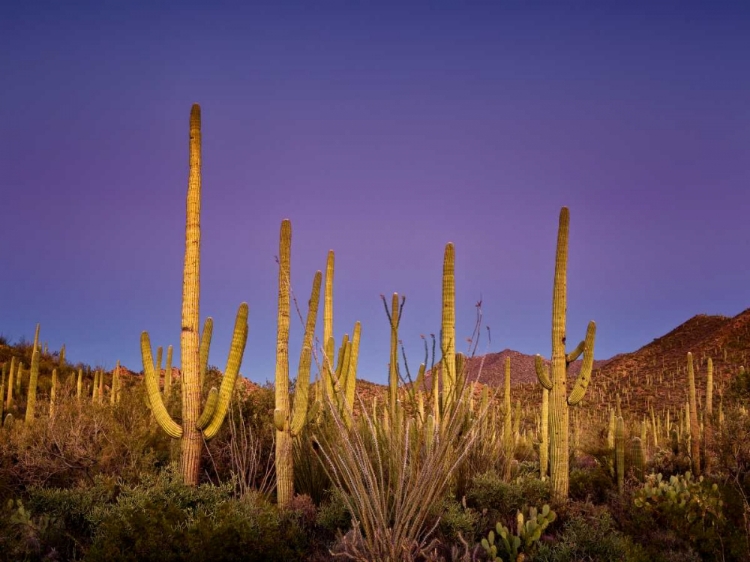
528, 532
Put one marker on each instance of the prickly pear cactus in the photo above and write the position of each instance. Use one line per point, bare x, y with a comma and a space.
521, 543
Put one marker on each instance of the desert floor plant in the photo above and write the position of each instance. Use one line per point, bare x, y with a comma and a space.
390, 477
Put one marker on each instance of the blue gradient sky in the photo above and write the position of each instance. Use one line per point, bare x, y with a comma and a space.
382, 131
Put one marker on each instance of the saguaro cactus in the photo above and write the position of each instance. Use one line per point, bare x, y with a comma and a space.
33, 380
9, 395
216, 406
620, 454
448, 327
695, 431
290, 422
329, 349
557, 383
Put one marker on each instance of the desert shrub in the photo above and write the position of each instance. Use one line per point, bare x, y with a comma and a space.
456, 521
243, 449
82, 440
590, 533
499, 501
73, 509
164, 520
594, 485
333, 514
27, 536
692, 508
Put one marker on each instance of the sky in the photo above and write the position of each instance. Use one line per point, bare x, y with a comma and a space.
382, 130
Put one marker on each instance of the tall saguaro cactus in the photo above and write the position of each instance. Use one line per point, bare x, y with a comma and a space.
559, 413
194, 427
33, 380
448, 326
290, 422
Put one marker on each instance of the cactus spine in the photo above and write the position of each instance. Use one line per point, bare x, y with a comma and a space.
189, 432
288, 421
557, 383
33, 379
694, 427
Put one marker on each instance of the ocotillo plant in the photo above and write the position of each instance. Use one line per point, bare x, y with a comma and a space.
193, 423
394, 317
290, 422
695, 433
33, 380
557, 383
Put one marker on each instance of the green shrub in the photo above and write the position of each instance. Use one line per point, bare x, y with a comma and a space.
497, 499
590, 533
594, 485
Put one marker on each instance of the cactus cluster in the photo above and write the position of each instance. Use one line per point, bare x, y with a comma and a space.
517, 545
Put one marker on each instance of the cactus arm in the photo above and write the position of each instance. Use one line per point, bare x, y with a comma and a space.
584, 376
152, 389
328, 319
542, 372
208, 410
302, 389
328, 348
576, 353
205, 347
351, 379
236, 351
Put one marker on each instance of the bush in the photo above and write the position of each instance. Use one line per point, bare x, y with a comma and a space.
593, 485
499, 501
590, 533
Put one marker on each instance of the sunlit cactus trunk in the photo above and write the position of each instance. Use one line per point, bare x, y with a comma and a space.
33, 380
559, 414
284, 457
11, 382
329, 349
53, 394
448, 327
290, 422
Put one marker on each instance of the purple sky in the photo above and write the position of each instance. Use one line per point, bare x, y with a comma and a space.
383, 132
